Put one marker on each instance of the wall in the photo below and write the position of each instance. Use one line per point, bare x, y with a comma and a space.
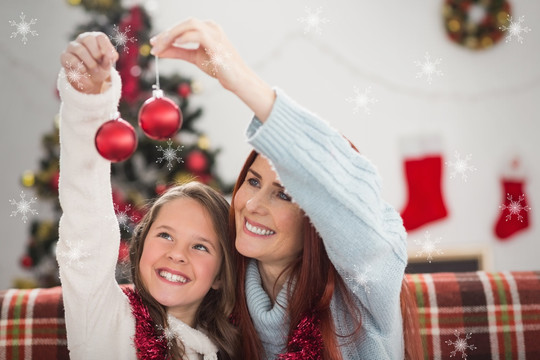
485, 103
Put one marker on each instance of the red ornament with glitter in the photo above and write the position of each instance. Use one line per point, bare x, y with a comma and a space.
159, 117
116, 140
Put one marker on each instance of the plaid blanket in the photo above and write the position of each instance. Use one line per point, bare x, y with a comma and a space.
479, 315
32, 324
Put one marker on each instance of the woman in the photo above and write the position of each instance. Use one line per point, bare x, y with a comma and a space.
321, 255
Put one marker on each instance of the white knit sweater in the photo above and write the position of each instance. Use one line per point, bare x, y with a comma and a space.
98, 314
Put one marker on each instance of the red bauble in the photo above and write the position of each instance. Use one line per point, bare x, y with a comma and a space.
196, 161
116, 140
27, 262
159, 117
184, 90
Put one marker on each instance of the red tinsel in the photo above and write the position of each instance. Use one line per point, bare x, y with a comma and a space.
149, 343
306, 341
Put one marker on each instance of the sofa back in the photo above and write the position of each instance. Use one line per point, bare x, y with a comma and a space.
474, 315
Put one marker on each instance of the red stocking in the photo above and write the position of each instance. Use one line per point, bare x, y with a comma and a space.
425, 201
514, 216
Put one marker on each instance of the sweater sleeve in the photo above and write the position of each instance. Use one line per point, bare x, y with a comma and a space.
98, 319
340, 192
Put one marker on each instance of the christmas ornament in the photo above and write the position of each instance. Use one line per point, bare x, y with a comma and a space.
159, 117
27, 262
184, 90
475, 24
116, 139
423, 170
196, 162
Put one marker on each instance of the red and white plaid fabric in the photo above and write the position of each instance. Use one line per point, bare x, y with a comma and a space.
32, 324
475, 315
479, 315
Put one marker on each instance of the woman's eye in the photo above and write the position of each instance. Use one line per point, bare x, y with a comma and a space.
284, 196
200, 247
253, 182
165, 236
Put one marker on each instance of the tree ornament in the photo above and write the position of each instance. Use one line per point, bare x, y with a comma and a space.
159, 117
116, 139
184, 90
196, 162
27, 262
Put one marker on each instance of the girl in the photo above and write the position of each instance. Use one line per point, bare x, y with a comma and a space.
321, 255
181, 262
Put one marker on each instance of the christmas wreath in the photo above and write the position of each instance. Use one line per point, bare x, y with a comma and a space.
476, 24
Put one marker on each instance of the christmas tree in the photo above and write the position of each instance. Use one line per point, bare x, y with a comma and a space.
153, 167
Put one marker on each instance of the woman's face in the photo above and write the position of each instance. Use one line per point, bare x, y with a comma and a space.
268, 224
181, 257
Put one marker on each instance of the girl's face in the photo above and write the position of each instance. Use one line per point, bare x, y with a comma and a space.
268, 224
181, 257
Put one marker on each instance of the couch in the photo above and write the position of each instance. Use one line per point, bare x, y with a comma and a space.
470, 315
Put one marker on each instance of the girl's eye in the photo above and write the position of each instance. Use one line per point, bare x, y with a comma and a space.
253, 182
200, 247
165, 236
284, 196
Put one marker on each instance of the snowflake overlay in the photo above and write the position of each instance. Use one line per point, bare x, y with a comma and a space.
515, 29
23, 207
360, 279
361, 100
428, 68
124, 220
218, 58
76, 74
166, 334
515, 207
313, 21
460, 345
169, 154
429, 247
73, 255
23, 28
460, 166
121, 38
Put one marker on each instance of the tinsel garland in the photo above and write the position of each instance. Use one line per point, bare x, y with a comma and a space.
149, 344
306, 341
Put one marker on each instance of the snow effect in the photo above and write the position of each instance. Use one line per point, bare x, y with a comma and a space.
120, 39
217, 58
361, 100
460, 166
169, 154
428, 68
360, 279
166, 334
515, 207
23, 28
23, 207
515, 29
75, 74
460, 345
123, 217
313, 21
428, 246
73, 255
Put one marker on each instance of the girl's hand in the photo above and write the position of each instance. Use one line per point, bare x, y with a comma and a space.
87, 62
204, 44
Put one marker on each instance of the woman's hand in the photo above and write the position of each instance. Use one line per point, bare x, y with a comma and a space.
87, 62
204, 44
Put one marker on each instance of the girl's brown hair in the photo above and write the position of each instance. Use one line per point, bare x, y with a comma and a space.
213, 313
316, 280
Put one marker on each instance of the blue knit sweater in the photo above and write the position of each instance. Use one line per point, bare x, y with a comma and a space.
363, 235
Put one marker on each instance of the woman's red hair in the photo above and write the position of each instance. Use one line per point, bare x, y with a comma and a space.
317, 280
